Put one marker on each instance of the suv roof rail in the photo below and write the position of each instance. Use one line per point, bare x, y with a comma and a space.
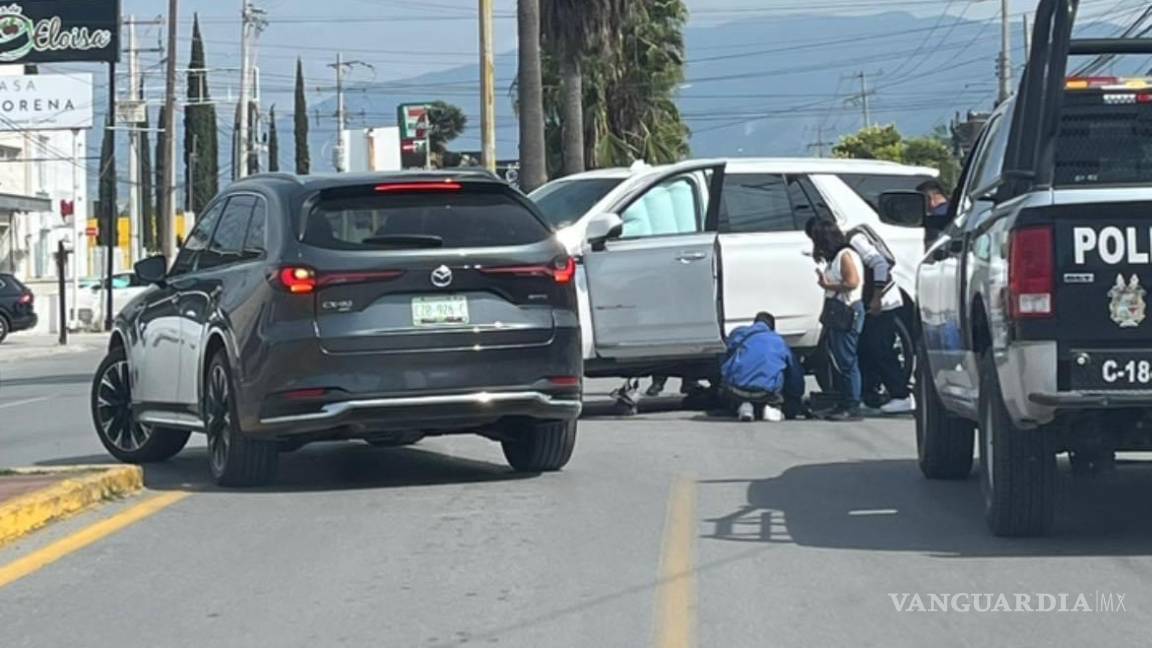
1088, 46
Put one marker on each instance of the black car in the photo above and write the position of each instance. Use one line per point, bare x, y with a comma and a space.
382, 308
16, 306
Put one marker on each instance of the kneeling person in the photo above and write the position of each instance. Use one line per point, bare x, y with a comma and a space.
760, 370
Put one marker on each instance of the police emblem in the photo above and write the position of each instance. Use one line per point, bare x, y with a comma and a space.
1127, 306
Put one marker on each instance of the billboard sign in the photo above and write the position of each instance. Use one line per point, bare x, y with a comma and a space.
55, 31
412, 120
46, 102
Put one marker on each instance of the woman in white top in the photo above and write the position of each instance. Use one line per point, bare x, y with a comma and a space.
842, 281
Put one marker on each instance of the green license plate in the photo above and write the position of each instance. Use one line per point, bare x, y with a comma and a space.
440, 310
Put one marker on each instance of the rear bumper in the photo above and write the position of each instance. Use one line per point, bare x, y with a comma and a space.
425, 412
24, 322
1092, 400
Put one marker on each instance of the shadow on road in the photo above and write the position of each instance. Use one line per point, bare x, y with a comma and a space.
326, 467
606, 408
888, 506
67, 379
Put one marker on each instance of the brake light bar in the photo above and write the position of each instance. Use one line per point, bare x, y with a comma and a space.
1031, 270
562, 270
345, 278
399, 187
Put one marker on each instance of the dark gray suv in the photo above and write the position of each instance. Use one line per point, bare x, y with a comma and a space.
382, 308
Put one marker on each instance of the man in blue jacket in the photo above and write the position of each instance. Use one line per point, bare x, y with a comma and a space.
761, 370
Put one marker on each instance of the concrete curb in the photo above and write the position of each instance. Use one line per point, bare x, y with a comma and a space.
92, 485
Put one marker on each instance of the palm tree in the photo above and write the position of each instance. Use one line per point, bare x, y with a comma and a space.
530, 97
573, 30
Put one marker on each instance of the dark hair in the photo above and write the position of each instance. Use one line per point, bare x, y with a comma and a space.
767, 318
827, 239
931, 187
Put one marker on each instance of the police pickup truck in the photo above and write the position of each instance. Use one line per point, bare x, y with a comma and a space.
1033, 323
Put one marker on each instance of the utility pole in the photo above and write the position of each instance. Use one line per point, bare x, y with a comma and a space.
864, 94
820, 142
341, 118
1027, 37
1005, 61
134, 141
242, 133
168, 213
487, 88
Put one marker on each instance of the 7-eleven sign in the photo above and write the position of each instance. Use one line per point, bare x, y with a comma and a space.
412, 120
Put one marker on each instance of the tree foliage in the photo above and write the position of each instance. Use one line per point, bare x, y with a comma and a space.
300, 119
886, 143
161, 183
630, 110
446, 122
273, 142
201, 146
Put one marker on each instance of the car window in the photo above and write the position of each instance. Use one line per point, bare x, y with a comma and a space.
364, 219
228, 241
565, 202
756, 202
198, 239
1104, 139
254, 243
991, 161
807, 202
869, 186
671, 207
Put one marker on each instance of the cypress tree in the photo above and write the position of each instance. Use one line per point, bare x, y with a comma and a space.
201, 163
160, 184
147, 211
273, 142
300, 117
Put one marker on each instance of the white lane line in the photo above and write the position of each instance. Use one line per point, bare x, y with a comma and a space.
26, 401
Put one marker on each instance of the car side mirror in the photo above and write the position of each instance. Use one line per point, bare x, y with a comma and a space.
603, 227
152, 270
903, 208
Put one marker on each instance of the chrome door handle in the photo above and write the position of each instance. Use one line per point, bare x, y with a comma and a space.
689, 257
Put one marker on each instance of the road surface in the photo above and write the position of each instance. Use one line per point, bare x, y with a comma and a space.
667, 529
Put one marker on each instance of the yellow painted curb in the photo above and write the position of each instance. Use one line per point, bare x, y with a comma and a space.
92, 485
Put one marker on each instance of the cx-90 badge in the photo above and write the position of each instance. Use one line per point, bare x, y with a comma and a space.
442, 277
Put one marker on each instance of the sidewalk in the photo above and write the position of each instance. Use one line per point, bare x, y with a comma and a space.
23, 346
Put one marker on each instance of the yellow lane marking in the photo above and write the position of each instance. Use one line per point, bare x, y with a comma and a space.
41, 558
676, 596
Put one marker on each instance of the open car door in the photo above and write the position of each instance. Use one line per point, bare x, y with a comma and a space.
653, 288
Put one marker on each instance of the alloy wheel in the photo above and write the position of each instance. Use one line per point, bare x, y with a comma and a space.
218, 418
114, 410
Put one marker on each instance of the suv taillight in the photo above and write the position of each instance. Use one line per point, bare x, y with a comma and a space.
1031, 270
562, 270
298, 280
26, 298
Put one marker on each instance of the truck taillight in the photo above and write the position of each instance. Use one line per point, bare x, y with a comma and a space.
1031, 271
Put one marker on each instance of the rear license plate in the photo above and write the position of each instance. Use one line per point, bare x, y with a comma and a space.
440, 310
1112, 370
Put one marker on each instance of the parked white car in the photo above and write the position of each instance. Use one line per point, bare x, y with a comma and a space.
93, 296
675, 257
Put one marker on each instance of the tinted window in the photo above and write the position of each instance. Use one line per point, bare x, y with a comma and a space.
671, 207
756, 203
869, 186
254, 243
806, 200
228, 241
1104, 139
991, 162
198, 240
563, 203
429, 219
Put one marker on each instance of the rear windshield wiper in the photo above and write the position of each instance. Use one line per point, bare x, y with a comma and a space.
405, 241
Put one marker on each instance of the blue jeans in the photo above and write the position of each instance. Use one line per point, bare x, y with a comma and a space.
843, 351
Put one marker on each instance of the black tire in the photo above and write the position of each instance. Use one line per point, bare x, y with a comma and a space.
116, 426
541, 446
1018, 467
4, 328
944, 442
234, 459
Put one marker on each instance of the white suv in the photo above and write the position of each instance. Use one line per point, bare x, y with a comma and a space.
675, 257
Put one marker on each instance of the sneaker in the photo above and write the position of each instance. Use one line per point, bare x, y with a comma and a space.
773, 415
899, 406
746, 413
843, 415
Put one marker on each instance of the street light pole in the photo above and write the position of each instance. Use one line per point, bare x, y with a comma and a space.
487, 87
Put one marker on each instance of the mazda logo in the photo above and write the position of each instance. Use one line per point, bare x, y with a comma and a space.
442, 277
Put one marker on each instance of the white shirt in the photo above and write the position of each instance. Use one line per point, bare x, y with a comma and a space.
881, 271
834, 274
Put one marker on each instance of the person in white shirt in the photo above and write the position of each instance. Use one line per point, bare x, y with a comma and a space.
879, 363
843, 315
